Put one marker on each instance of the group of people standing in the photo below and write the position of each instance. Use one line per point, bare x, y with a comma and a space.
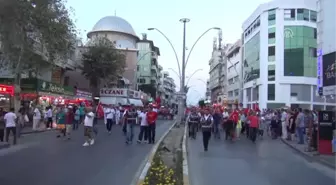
233, 122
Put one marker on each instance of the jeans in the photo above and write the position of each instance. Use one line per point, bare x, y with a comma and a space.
143, 134
253, 133
216, 130
109, 123
13, 130
151, 132
300, 133
75, 124
129, 132
192, 129
206, 138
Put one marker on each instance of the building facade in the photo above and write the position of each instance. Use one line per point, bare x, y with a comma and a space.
207, 92
168, 90
280, 56
326, 41
148, 72
121, 33
234, 74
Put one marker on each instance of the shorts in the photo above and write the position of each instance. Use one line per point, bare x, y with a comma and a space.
87, 131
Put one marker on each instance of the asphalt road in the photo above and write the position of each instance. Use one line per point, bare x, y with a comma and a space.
42, 159
268, 162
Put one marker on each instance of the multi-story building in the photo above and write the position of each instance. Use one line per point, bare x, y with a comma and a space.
207, 92
280, 56
234, 74
326, 41
148, 73
217, 79
168, 90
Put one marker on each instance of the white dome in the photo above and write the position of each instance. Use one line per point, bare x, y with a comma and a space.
113, 23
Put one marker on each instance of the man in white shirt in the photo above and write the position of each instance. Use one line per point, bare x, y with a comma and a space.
36, 119
49, 118
143, 134
109, 114
88, 126
10, 121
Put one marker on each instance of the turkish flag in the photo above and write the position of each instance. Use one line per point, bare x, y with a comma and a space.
234, 116
151, 117
100, 110
158, 100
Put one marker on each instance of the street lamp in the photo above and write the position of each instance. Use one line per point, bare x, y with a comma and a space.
184, 61
193, 75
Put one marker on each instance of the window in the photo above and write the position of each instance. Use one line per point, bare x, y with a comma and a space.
66, 81
271, 17
271, 72
315, 33
299, 14
271, 35
312, 52
271, 51
230, 81
230, 93
141, 80
289, 14
271, 92
236, 92
138, 67
313, 16
306, 15
236, 79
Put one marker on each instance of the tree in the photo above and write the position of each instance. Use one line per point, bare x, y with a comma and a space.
31, 33
101, 61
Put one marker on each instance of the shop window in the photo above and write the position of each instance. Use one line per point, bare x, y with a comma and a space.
271, 92
271, 72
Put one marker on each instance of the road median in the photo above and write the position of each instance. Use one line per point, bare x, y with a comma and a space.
164, 163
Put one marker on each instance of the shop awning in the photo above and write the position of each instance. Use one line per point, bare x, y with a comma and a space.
136, 102
113, 100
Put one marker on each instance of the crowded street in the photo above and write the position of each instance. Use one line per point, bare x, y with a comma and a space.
41, 159
267, 162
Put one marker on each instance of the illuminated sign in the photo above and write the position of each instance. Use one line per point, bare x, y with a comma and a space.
5, 89
319, 68
113, 92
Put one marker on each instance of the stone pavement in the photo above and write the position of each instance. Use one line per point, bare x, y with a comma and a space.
267, 162
328, 160
41, 159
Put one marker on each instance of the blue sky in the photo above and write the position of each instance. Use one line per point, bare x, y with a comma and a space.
165, 15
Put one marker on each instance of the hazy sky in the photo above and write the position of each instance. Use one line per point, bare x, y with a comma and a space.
165, 15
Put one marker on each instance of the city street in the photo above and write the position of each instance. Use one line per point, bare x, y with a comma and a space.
268, 162
42, 159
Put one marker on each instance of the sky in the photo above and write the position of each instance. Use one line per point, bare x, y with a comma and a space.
165, 15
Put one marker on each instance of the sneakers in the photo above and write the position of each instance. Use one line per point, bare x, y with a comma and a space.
88, 144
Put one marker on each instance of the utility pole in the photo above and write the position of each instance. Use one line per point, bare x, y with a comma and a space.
182, 83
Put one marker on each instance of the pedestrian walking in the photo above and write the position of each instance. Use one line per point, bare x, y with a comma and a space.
143, 134
36, 118
151, 119
254, 126
300, 126
284, 124
207, 122
76, 119
60, 121
81, 109
130, 120
70, 116
88, 127
49, 115
10, 120
109, 115
217, 117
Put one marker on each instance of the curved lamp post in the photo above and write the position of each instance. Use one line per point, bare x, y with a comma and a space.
213, 28
202, 81
172, 46
197, 70
175, 72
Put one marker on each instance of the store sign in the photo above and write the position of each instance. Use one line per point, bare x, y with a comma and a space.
83, 94
325, 125
134, 94
55, 88
328, 71
113, 92
319, 68
5, 89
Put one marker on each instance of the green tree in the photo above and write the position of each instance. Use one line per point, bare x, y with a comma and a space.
102, 60
31, 33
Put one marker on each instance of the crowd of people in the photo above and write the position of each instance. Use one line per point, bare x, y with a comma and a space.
67, 118
290, 124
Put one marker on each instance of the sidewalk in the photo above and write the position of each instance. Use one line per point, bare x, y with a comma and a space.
327, 160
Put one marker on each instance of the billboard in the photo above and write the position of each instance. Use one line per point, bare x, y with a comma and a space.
328, 74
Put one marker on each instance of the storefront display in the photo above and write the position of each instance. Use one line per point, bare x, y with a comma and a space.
6, 97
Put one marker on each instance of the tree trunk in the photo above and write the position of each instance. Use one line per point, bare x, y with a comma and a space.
17, 82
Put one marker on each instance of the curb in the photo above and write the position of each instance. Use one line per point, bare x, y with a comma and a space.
309, 156
185, 158
4, 145
36, 132
149, 158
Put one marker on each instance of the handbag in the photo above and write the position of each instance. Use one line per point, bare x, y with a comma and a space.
26, 119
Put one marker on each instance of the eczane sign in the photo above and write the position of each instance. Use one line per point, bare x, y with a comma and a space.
113, 92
